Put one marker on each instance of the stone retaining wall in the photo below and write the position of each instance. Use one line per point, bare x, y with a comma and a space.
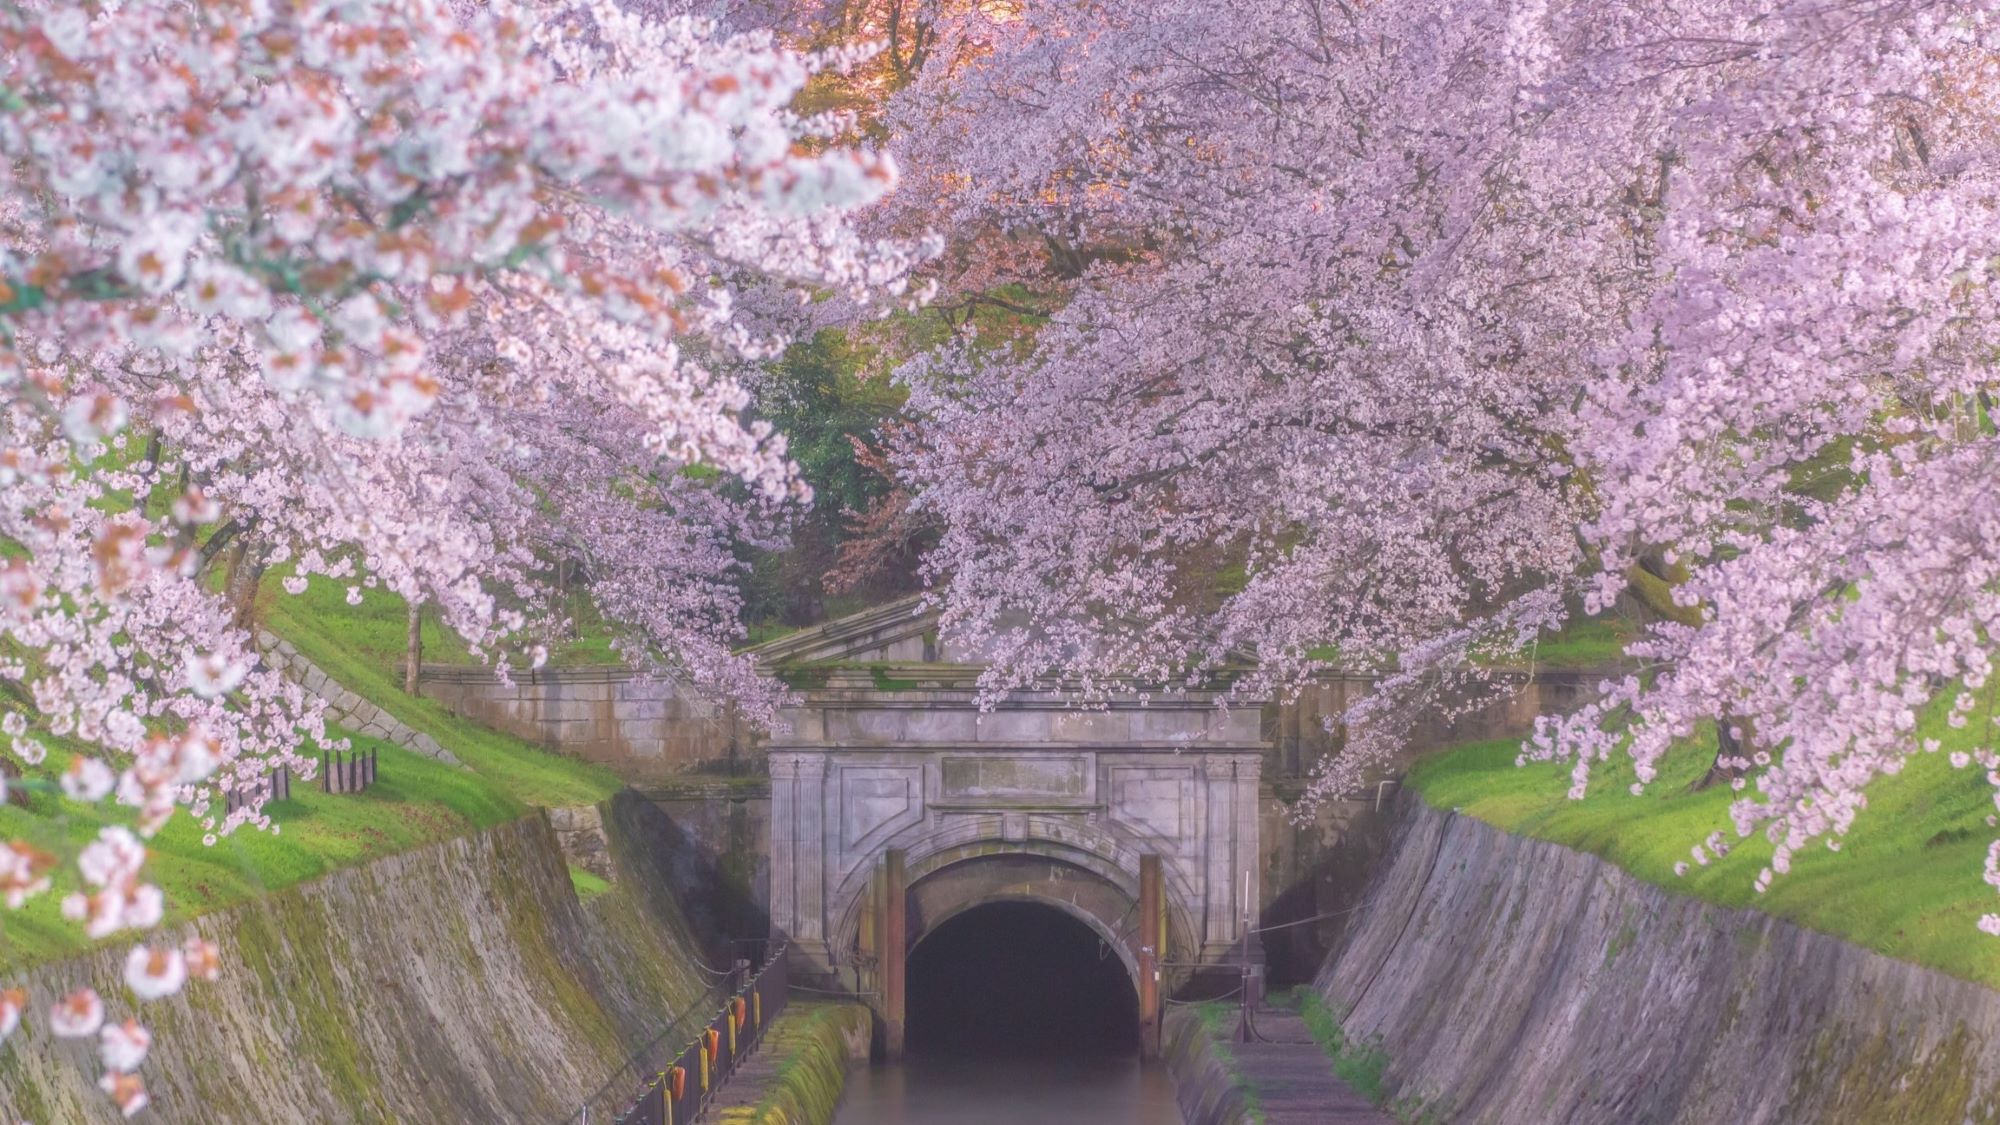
458, 982
1515, 981
1205, 1085
644, 727
345, 706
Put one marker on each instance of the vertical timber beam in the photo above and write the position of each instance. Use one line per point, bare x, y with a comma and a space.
868, 936
895, 950
1152, 926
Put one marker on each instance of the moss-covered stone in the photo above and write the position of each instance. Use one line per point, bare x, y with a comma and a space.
459, 982
800, 1069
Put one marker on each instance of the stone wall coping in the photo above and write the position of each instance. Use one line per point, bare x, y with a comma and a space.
1246, 749
483, 674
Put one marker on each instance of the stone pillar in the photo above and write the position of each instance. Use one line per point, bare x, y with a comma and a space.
1152, 950
1248, 835
798, 857
895, 951
1219, 846
784, 845
810, 860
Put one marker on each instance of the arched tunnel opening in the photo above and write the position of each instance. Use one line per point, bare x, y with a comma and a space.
1018, 979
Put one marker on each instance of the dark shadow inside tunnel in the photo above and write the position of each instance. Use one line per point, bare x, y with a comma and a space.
1019, 979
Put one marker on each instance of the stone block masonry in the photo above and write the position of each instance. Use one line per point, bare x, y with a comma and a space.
457, 982
643, 727
1512, 980
345, 707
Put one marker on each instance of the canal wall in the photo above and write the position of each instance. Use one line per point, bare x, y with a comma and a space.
1511, 980
800, 1069
1206, 1084
463, 981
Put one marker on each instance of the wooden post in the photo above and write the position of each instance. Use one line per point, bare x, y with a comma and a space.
869, 939
895, 939
1152, 930
413, 649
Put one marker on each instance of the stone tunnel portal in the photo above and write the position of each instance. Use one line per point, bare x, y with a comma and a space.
1019, 978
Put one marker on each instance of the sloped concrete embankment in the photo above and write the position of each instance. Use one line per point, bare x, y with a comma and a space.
1206, 1085
458, 982
800, 1069
1515, 981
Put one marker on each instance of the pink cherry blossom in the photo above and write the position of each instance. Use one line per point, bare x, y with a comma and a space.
13, 1001
1434, 326
128, 1091
76, 1015
153, 972
124, 1046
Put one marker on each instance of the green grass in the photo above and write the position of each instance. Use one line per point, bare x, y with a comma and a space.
377, 628
1218, 1020
1359, 1065
588, 886
1906, 882
1584, 643
346, 644
414, 801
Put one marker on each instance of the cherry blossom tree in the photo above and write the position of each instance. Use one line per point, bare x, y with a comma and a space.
389, 291
1399, 334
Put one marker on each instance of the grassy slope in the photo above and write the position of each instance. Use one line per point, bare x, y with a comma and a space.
375, 629
1584, 642
1907, 881
361, 645
415, 801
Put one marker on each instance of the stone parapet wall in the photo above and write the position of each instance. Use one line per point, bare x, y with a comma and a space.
641, 726
1511, 980
1299, 734
345, 706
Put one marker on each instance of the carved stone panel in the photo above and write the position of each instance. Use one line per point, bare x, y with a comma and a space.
875, 802
999, 780
1158, 801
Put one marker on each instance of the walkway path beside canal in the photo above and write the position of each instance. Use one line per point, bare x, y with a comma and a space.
1294, 1084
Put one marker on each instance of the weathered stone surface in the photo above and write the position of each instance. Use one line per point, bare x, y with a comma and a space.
459, 982
1284, 1075
1511, 980
800, 1068
580, 833
645, 727
345, 707
1203, 1085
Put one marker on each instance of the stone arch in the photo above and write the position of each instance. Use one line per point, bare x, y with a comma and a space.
951, 878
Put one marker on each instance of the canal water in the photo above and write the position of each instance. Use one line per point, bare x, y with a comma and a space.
1018, 1015
930, 1090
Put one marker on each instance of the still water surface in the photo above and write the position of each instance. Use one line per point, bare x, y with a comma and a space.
1010, 1091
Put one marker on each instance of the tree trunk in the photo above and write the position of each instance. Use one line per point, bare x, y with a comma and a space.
239, 587
413, 650
1727, 747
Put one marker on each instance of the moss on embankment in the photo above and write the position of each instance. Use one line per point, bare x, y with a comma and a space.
462, 981
1510, 979
1208, 1084
799, 1072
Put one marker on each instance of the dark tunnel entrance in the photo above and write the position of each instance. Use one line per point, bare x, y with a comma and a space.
1019, 979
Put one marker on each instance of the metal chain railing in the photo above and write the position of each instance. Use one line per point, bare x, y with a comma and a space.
680, 1091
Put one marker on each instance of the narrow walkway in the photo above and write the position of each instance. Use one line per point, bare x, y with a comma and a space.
1291, 1076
